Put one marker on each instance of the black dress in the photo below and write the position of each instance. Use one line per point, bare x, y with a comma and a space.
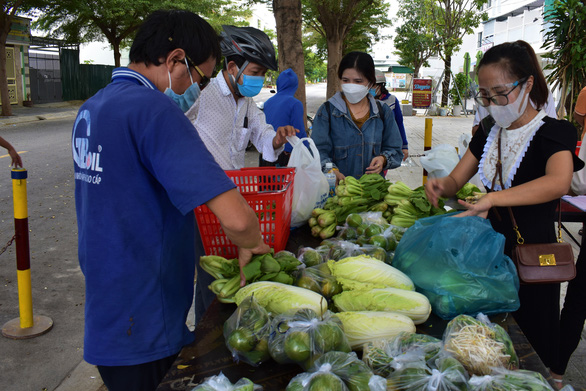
538, 315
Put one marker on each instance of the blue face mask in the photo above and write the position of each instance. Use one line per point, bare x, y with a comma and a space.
188, 98
251, 85
372, 92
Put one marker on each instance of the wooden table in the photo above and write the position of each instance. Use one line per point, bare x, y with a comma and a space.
208, 356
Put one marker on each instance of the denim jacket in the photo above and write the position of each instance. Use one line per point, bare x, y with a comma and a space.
350, 149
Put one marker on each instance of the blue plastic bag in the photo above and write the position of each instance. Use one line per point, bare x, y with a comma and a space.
459, 264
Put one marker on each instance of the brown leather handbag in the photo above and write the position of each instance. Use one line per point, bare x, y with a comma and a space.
540, 263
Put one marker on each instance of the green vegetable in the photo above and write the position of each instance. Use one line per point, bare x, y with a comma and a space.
326, 219
467, 190
354, 220
412, 304
311, 257
361, 327
328, 232
365, 269
279, 298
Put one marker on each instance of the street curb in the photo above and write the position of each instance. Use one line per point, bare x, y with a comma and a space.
38, 117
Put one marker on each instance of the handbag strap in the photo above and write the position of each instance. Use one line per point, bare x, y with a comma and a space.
499, 169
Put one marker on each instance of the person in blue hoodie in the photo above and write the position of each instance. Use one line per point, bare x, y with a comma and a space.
284, 109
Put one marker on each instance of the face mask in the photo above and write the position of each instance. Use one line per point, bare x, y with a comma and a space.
372, 92
354, 92
504, 116
188, 98
251, 85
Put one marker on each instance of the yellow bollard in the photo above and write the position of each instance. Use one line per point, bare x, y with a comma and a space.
427, 142
27, 326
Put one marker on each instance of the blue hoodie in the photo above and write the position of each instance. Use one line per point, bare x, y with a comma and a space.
283, 109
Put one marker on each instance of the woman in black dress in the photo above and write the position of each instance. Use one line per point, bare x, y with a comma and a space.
537, 164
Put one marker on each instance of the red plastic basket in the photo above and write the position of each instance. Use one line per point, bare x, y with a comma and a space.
269, 192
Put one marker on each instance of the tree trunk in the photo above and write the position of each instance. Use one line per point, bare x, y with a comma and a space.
335, 45
290, 47
116, 49
6, 108
446, 81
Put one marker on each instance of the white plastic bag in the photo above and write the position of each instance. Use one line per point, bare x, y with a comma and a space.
439, 161
311, 188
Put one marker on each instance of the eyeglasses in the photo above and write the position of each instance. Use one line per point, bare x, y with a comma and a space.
498, 99
204, 79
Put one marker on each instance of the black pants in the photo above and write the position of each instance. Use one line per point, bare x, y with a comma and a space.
282, 160
141, 377
573, 314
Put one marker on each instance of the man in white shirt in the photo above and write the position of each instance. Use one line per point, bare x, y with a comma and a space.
226, 116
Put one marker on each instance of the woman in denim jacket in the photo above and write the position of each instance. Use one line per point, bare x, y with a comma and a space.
351, 130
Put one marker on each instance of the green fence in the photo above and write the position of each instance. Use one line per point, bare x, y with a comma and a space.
81, 81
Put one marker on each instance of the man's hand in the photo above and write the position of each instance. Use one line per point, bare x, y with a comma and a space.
405, 154
376, 165
16, 160
281, 136
245, 255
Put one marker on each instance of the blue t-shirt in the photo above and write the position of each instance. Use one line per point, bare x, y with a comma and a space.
140, 170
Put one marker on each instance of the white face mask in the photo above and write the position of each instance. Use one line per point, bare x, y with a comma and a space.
354, 92
504, 116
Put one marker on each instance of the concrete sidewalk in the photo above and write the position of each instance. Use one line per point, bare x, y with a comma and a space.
40, 112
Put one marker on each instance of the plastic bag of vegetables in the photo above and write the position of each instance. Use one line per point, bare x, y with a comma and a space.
279, 298
444, 374
364, 272
362, 327
459, 265
222, 383
246, 333
304, 337
410, 303
320, 280
313, 256
386, 355
338, 371
479, 344
506, 380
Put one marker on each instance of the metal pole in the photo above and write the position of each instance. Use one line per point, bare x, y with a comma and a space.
26, 326
427, 142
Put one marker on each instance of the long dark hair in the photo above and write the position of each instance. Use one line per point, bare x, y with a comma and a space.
518, 59
361, 61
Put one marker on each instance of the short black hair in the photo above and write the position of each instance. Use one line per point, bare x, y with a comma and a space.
361, 61
166, 30
519, 60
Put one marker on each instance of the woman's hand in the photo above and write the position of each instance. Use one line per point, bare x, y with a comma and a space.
376, 165
405, 154
480, 208
434, 189
245, 255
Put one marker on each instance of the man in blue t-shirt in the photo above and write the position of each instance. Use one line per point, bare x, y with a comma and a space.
140, 170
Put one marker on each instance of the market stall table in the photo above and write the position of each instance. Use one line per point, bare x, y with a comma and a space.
208, 356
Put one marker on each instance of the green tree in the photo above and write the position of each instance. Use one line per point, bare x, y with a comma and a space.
334, 21
9, 10
116, 21
315, 66
415, 40
450, 21
565, 39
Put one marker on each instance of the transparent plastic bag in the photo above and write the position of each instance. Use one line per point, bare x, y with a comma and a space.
337, 371
444, 374
320, 280
479, 344
304, 337
501, 379
246, 333
458, 263
222, 383
439, 161
310, 256
386, 355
